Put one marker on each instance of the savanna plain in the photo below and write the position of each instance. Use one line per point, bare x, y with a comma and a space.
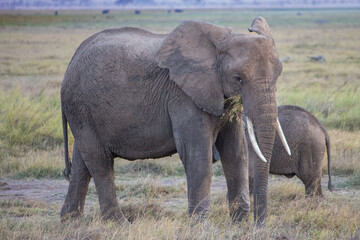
35, 49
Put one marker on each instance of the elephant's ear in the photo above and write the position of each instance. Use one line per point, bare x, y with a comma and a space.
190, 53
260, 26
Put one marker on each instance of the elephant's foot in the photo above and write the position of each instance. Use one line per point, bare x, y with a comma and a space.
240, 208
313, 190
67, 213
114, 214
313, 194
237, 217
199, 217
260, 221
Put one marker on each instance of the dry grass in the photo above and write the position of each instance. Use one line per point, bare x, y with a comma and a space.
345, 150
168, 166
33, 164
291, 216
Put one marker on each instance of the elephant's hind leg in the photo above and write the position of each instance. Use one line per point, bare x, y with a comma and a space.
310, 174
78, 186
313, 186
100, 164
312, 182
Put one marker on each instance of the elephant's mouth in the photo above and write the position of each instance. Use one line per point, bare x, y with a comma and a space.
235, 93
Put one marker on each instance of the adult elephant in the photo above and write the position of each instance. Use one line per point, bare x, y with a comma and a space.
134, 94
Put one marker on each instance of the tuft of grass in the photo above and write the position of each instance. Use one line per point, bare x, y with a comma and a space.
315, 218
30, 121
34, 164
287, 191
168, 166
164, 167
137, 210
345, 153
18, 208
149, 189
217, 169
353, 182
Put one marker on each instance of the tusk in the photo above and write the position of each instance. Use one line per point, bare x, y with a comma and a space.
282, 137
253, 139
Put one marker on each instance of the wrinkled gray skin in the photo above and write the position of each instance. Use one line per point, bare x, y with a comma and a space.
307, 139
134, 94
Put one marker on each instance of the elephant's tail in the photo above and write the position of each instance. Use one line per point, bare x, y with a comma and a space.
327, 140
67, 171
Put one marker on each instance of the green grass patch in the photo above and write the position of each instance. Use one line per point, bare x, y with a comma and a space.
33, 164
217, 169
335, 109
169, 166
352, 182
31, 121
149, 189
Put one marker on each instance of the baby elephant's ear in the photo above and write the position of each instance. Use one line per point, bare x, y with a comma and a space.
260, 26
190, 53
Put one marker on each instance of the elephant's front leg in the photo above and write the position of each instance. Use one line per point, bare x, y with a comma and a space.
198, 173
232, 146
194, 146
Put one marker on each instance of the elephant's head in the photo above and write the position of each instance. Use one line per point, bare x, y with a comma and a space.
211, 63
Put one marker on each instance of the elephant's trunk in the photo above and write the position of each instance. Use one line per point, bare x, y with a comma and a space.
265, 133
264, 117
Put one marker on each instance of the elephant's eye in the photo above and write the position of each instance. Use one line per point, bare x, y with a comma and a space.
237, 78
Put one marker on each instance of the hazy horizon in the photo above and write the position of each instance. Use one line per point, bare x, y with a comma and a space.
171, 4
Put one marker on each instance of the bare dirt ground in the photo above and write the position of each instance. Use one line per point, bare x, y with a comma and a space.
54, 191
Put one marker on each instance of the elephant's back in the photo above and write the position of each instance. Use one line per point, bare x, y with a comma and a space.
300, 120
300, 125
130, 41
110, 58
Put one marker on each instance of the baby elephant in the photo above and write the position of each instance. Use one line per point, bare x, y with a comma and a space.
307, 139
